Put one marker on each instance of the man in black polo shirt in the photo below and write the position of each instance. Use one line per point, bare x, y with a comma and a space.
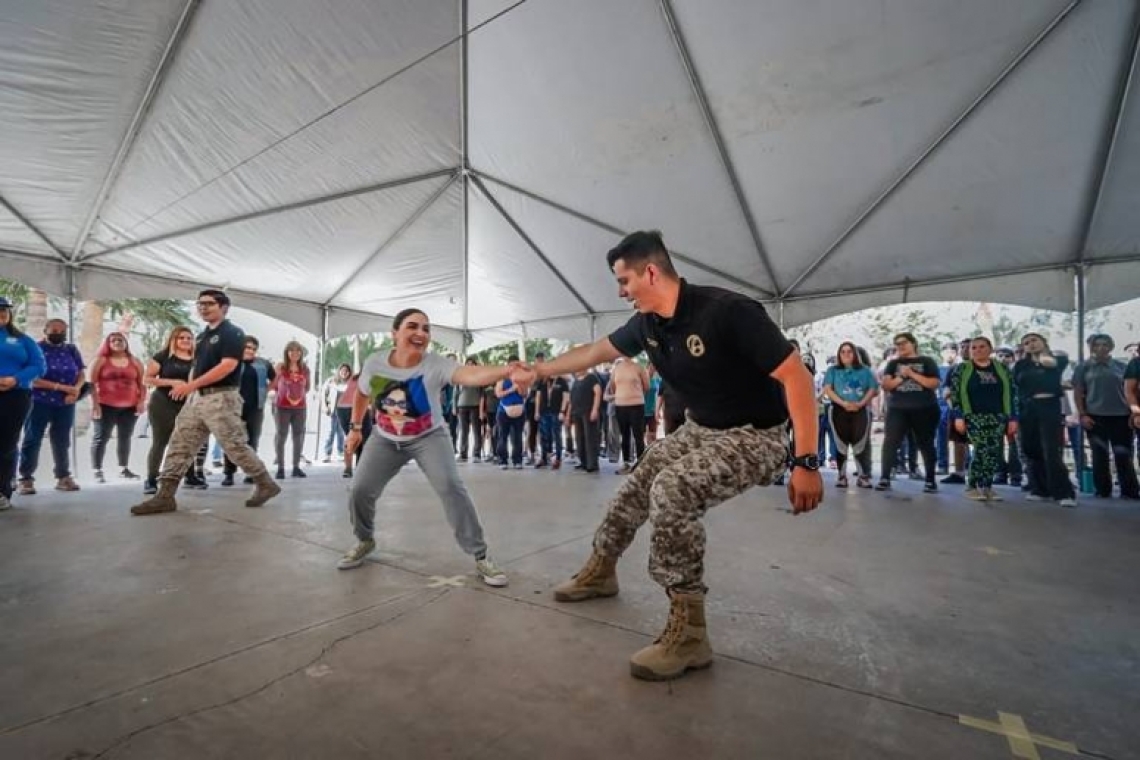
215, 407
721, 352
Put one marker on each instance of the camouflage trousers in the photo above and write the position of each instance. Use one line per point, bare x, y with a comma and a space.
677, 480
218, 413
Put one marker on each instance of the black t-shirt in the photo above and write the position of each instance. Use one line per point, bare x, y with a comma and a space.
582, 394
1032, 379
718, 352
226, 341
911, 395
672, 405
987, 394
170, 367
1132, 371
249, 386
554, 390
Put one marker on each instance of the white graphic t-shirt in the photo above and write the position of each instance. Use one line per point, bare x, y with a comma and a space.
406, 399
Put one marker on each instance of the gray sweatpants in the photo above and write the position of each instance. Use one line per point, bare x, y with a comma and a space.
383, 458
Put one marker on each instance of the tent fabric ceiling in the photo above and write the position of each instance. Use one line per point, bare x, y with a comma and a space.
347, 159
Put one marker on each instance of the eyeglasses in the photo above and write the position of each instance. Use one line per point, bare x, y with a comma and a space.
203, 304
902, 342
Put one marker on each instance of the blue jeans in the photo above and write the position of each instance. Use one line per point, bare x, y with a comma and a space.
550, 433
510, 428
942, 440
335, 432
60, 419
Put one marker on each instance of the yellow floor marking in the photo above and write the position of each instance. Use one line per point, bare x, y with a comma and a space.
1022, 743
440, 580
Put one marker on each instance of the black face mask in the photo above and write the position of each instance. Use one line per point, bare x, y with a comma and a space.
56, 339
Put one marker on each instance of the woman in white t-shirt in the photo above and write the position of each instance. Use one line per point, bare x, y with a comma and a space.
403, 386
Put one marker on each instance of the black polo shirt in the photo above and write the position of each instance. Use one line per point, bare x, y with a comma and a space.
717, 352
226, 341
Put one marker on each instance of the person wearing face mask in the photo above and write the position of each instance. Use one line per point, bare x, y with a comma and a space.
53, 410
1098, 392
21, 362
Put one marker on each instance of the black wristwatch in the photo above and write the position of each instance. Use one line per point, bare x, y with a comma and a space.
807, 461
355, 426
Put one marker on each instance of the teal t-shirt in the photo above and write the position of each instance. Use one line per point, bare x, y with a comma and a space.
850, 384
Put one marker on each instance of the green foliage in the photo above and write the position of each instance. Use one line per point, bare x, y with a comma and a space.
499, 354
883, 324
339, 351
17, 294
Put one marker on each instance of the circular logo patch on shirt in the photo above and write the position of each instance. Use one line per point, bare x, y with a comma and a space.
695, 345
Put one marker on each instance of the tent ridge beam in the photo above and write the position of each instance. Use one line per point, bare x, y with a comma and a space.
465, 164
32, 228
295, 206
718, 139
546, 320
411, 220
321, 117
532, 245
621, 233
886, 194
1108, 149
127, 142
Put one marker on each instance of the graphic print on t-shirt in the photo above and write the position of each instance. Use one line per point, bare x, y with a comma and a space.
402, 407
986, 376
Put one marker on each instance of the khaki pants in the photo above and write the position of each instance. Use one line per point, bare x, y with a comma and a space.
218, 413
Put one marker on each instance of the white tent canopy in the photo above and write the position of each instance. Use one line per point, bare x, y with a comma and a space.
333, 162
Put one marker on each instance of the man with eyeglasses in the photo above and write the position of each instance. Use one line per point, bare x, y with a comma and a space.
215, 407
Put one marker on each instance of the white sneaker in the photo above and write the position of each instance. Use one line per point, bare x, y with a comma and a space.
975, 494
491, 574
354, 557
4, 503
1070, 502
1035, 497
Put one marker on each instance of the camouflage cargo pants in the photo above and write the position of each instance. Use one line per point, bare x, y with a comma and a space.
218, 413
675, 483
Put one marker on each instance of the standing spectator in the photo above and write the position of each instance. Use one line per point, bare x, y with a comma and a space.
257, 375
468, 403
1132, 390
985, 411
487, 408
118, 397
290, 406
21, 362
330, 396
628, 385
1037, 376
911, 381
1098, 392
166, 370
850, 386
509, 420
552, 402
941, 440
53, 407
1010, 471
585, 411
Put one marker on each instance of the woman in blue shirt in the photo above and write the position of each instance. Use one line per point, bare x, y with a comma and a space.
21, 362
850, 385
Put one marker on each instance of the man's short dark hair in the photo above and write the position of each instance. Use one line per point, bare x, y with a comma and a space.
250, 339
218, 295
640, 248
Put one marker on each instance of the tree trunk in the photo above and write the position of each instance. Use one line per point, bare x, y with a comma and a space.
37, 308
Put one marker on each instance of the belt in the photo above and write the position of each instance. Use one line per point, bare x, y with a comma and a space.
217, 389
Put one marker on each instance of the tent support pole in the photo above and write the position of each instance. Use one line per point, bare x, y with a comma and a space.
522, 342
465, 170
718, 139
71, 329
132, 133
1079, 283
938, 142
322, 349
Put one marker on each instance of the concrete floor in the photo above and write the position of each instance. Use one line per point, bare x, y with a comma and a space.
865, 630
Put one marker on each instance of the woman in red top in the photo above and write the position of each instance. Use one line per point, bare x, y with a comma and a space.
292, 387
117, 400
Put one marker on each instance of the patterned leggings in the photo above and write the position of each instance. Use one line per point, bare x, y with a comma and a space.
985, 432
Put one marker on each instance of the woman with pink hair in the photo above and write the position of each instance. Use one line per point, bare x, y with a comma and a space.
117, 399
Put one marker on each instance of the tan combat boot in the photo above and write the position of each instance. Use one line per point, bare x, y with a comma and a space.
162, 501
597, 578
266, 489
684, 645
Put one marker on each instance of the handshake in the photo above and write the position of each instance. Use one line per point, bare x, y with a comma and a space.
523, 375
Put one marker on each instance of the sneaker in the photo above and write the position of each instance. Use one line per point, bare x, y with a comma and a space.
195, 482
280, 473
5, 504
863, 481
99, 477
556, 464
916, 475
26, 487
975, 494
218, 464
930, 487
992, 495
326, 459
540, 464
66, 483
954, 479
518, 465
347, 473
624, 469
1036, 497
150, 487
1015, 482
883, 485
228, 479
476, 459
1069, 502
490, 572
504, 467
247, 480
841, 481
128, 475
299, 473
354, 557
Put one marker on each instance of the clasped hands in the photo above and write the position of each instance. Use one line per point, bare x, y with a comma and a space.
523, 375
